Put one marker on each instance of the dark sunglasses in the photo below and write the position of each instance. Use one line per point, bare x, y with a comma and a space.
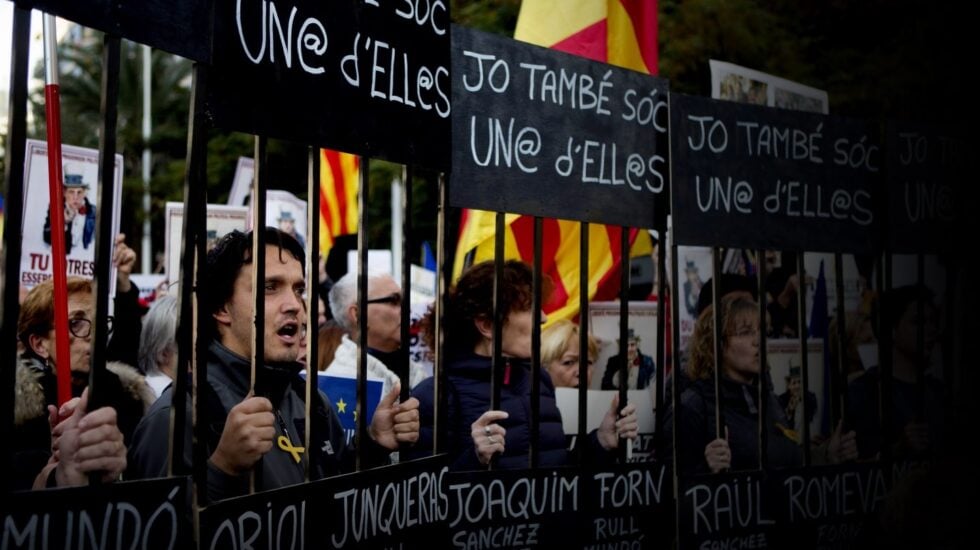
391, 299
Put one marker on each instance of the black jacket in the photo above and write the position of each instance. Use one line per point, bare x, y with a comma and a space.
740, 413
228, 384
469, 397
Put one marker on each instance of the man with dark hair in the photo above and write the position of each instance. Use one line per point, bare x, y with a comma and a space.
266, 422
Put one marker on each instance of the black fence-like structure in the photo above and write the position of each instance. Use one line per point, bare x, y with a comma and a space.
628, 120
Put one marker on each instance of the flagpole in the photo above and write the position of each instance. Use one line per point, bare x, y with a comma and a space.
56, 207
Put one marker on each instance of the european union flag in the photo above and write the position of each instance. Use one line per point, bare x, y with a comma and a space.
342, 392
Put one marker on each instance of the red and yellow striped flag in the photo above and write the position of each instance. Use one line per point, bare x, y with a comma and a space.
339, 179
619, 32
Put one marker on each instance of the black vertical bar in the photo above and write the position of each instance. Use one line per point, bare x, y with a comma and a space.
104, 207
533, 453
921, 361
662, 309
675, 338
362, 282
763, 361
497, 366
191, 346
10, 252
497, 362
103, 212
804, 357
441, 416
838, 390
950, 377
406, 259
885, 364
258, 283
716, 307
312, 301
583, 342
624, 450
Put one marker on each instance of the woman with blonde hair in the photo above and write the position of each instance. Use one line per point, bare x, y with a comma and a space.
560, 354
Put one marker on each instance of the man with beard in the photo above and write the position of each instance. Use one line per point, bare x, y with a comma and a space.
266, 423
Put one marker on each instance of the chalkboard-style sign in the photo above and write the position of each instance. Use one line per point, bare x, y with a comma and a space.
541, 132
515, 508
280, 518
925, 167
827, 506
362, 76
729, 510
403, 505
181, 27
759, 177
628, 506
138, 514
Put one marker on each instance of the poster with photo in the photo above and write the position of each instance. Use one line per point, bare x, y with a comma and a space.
642, 348
241, 184
597, 405
286, 212
735, 83
221, 220
694, 271
784, 368
80, 169
283, 209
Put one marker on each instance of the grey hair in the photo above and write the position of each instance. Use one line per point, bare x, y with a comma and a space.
343, 295
159, 333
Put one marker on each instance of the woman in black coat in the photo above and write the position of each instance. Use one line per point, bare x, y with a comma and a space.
699, 449
476, 433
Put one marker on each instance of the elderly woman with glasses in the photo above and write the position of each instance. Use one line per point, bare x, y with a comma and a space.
699, 449
38, 421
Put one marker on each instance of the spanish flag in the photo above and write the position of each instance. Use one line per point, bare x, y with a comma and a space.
339, 179
619, 32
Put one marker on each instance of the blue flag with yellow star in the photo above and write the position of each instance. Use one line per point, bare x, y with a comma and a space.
342, 392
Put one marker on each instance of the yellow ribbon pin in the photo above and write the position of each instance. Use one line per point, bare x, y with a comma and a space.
287, 445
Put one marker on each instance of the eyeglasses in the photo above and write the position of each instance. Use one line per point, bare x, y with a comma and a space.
80, 327
391, 299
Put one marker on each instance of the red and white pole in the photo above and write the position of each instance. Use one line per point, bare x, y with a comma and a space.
59, 268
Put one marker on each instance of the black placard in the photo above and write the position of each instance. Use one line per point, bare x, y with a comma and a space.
759, 177
279, 518
545, 133
729, 510
397, 506
181, 27
924, 168
361, 76
826, 506
628, 506
515, 508
138, 514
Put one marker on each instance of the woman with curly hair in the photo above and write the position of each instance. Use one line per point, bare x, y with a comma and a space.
477, 434
699, 450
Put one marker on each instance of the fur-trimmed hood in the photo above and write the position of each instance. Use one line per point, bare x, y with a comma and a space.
33, 376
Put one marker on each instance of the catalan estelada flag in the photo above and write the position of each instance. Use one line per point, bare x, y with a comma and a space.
339, 178
619, 32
